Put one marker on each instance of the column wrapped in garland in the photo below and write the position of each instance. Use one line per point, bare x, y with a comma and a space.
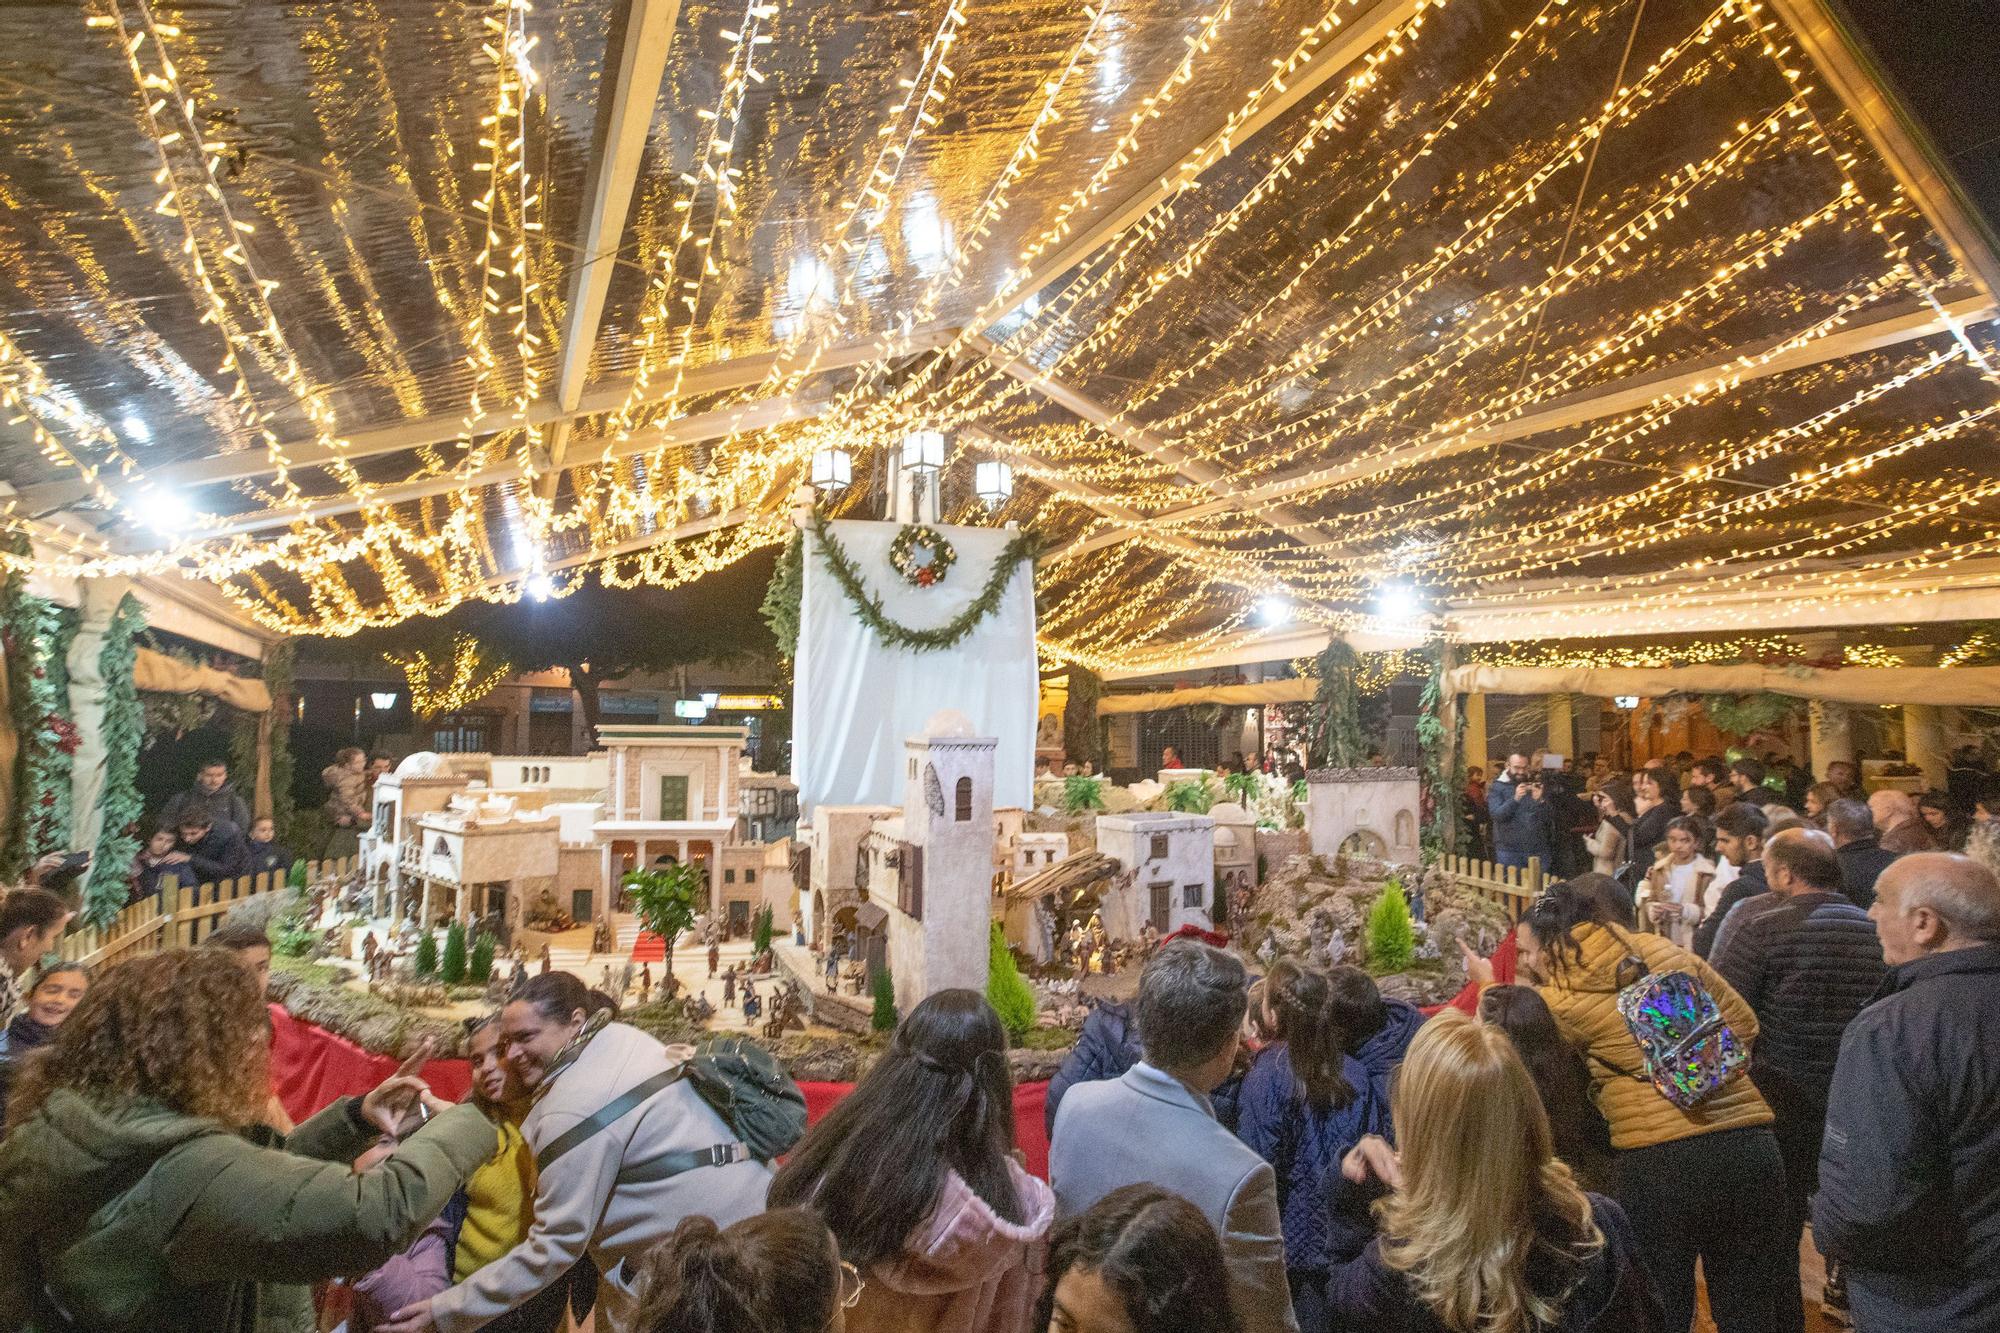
1440, 742
1335, 740
124, 730
37, 635
1083, 731
279, 664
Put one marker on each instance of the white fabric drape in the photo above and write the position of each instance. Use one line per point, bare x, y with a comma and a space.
856, 700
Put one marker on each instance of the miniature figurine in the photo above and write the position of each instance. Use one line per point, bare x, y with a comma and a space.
545, 960
714, 958
645, 982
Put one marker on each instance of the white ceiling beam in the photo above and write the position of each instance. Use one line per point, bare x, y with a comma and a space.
1140, 440
370, 442
1347, 44
635, 65
702, 426
1843, 59
1905, 323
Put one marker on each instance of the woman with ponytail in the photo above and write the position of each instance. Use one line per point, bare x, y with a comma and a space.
1305, 1103
778, 1272
914, 1171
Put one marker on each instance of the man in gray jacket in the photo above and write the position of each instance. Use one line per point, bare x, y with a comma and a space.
211, 796
623, 1152
1154, 1124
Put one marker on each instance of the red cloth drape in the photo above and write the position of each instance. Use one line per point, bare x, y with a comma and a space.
311, 1068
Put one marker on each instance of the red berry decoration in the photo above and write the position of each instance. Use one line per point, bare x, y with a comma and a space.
921, 555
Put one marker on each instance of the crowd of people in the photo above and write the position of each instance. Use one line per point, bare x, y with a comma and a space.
1228, 1153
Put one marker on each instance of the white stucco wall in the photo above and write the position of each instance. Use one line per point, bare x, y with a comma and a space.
1341, 802
1189, 860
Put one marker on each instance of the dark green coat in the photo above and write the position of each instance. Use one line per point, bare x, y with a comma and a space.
137, 1217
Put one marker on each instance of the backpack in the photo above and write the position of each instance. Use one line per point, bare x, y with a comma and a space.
741, 1083
1687, 1049
751, 1092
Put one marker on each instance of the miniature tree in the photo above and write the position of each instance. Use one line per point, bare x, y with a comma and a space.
452, 970
664, 898
1392, 940
1190, 796
885, 1017
1082, 793
427, 954
1006, 989
1242, 788
760, 932
481, 969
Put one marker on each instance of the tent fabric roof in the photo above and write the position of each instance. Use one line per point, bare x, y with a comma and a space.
360, 311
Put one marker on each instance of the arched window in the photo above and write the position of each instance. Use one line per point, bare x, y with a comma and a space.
964, 800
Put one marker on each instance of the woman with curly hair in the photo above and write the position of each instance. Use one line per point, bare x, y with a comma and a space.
130, 1196
777, 1272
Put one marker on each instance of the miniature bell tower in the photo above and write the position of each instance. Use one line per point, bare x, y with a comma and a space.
945, 887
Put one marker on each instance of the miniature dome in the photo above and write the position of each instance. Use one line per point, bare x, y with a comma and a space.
422, 764
948, 722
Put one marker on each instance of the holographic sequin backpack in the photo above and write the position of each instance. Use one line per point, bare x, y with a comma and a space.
1688, 1050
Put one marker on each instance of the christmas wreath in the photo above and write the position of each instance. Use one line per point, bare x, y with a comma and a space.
921, 555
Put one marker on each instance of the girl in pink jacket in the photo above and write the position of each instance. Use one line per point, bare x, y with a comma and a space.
915, 1174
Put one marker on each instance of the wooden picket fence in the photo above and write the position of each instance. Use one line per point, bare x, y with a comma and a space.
1512, 888
179, 917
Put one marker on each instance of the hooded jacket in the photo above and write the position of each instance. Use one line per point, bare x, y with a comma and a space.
1304, 1146
346, 794
133, 1216
1380, 1053
587, 1199
1909, 1174
1584, 999
1749, 882
965, 1268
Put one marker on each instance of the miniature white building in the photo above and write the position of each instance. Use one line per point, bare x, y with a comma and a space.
1370, 811
1030, 853
939, 919
1235, 847
1173, 860
671, 792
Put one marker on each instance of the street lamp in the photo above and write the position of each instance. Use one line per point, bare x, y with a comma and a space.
993, 483
923, 452
832, 471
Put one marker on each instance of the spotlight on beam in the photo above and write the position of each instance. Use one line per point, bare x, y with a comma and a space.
165, 512
1398, 603
540, 587
1273, 611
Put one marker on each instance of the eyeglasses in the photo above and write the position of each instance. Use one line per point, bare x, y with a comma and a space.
851, 1283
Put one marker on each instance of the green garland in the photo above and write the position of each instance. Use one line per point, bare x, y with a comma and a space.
1083, 730
1335, 738
869, 607
1441, 789
278, 678
37, 637
780, 608
1742, 714
123, 731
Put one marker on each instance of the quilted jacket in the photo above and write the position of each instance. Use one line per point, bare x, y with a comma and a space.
1584, 999
1304, 1146
1807, 964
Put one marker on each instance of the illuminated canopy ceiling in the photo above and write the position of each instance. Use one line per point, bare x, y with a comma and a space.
1549, 317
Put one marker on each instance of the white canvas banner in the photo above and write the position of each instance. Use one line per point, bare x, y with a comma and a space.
856, 699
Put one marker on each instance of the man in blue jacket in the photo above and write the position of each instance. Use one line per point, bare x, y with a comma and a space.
1522, 824
1909, 1175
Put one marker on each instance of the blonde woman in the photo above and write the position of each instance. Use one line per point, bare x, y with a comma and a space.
1483, 1230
